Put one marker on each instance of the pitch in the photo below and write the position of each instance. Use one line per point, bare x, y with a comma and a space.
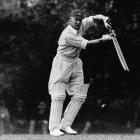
72, 137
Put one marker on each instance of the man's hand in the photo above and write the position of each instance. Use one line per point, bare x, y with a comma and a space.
106, 37
107, 22
105, 19
113, 34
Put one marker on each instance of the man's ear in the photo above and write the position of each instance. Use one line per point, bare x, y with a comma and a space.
69, 18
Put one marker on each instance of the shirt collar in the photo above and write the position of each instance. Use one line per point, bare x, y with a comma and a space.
72, 29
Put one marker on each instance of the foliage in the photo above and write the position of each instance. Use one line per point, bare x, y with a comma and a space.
29, 31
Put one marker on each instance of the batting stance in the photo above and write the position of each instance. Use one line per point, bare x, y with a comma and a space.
67, 72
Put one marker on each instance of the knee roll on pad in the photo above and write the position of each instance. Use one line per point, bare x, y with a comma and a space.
83, 89
58, 91
81, 93
58, 97
79, 98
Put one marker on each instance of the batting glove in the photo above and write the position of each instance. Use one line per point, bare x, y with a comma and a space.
106, 37
107, 22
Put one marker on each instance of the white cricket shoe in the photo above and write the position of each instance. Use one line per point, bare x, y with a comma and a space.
56, 132
69, 130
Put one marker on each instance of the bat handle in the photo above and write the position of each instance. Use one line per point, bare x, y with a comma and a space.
112, 32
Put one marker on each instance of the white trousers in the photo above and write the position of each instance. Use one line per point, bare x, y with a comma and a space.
66, 75
66, 72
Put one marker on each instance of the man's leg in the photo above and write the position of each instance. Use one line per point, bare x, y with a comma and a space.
73, 108
44, 125
57, 98
32, 126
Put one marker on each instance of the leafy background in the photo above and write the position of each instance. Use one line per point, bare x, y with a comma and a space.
29, 30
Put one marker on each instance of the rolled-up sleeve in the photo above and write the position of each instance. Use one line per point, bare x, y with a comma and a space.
87, 22
77, 41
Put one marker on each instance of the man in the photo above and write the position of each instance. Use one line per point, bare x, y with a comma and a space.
39, 119
67, 72
5, 124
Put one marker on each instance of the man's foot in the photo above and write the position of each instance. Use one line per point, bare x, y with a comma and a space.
56, 132
69, 130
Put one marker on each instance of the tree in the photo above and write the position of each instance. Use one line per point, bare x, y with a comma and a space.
29, 31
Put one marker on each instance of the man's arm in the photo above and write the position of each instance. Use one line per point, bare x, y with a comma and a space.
82, 43
90, 21
100, 17
102, 39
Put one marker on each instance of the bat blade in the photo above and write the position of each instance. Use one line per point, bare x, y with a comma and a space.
120, 54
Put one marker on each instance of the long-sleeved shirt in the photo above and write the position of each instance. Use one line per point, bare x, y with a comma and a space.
71, 41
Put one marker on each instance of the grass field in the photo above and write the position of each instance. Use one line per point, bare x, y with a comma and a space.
72, 137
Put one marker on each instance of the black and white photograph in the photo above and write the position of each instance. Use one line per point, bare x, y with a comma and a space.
69, 70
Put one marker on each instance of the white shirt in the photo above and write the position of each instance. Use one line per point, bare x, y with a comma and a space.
71, 41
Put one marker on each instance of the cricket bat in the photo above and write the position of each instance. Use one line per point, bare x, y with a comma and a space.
117, 47
120, 54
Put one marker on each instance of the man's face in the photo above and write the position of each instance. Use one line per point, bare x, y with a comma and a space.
75, 22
